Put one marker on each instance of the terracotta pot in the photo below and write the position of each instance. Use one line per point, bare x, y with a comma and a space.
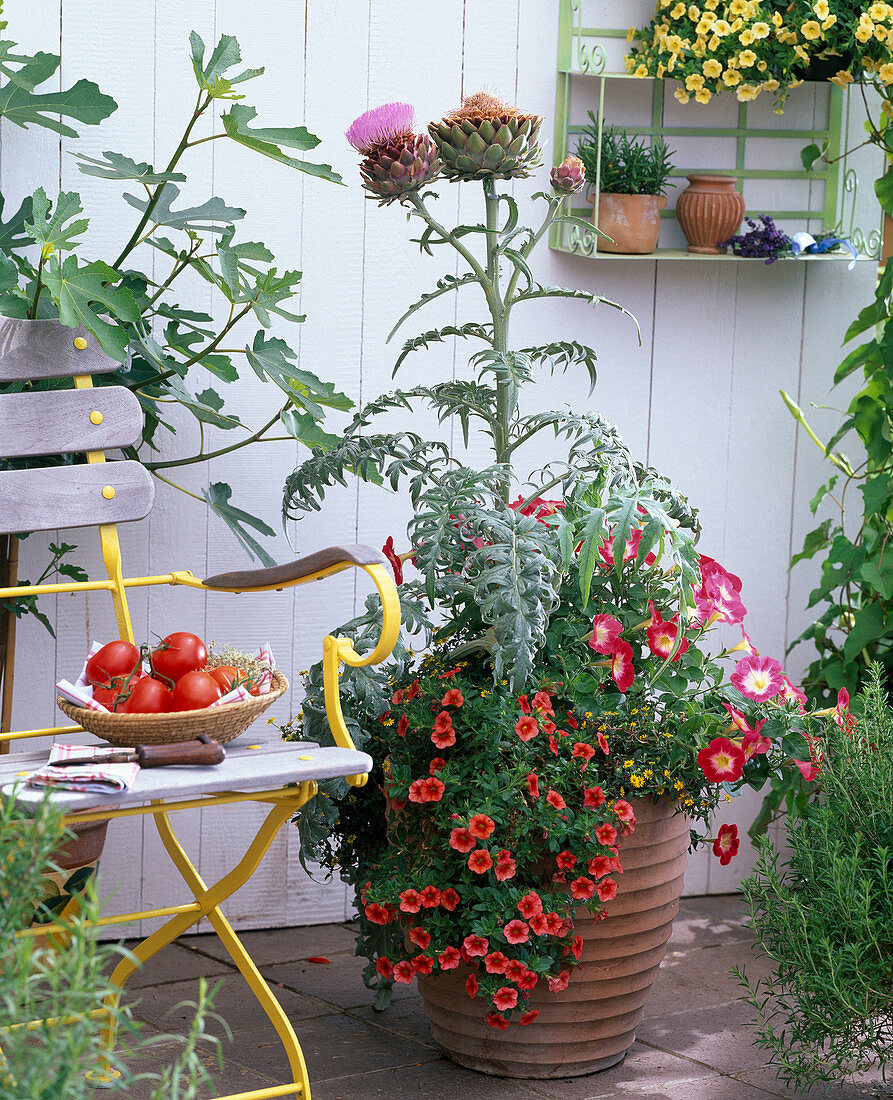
78, 862
631, 221
590, 1025
709, 211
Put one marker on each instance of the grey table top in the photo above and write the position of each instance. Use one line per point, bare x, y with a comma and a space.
256, 761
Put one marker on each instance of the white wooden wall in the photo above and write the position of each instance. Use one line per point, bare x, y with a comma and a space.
698, 399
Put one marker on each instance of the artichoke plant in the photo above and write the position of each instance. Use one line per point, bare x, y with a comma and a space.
396, 161
487, 138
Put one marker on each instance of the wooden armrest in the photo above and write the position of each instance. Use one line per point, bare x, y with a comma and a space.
293, 571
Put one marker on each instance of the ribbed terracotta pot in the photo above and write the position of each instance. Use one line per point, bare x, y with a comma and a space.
709, 211
592, 1024
631, 221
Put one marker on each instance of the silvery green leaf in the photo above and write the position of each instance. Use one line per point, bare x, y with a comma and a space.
211, 217
116, 166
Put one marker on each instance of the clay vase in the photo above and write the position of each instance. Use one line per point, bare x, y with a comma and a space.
631, 221
709, 211
77, 862
591, 1024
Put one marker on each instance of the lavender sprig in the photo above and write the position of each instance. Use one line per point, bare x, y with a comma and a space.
761, 241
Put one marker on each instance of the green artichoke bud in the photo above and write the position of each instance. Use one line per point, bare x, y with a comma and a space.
487, 139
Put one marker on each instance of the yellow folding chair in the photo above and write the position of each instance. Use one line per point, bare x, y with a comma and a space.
284, 776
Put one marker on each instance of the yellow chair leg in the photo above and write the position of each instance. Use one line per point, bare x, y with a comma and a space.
208, 905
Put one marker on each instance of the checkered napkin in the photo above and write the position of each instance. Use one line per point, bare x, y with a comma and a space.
103, 778
81, 691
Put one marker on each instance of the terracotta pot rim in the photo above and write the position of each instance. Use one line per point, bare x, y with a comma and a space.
712, 177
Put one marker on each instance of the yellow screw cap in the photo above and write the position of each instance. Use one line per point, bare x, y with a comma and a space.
305, 757
80, 343
108, 491
96, 417
252, 746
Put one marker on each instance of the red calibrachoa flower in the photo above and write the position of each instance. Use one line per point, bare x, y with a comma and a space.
599, 866
420, 937
376, 913
410, 901
515, 970
481, 826
495, 1020
533, 786
480, 861
554, 799
505, 997
527, 727
542, 701
606, 834
530, 905
449, 958
471, 985
565, 860
584, 752
462, 840
404, 972
602, 742
402, 725
516, 931
593, 797
524, 704
529, 1017
495, 962
624, 811
423, 964
556, 985
413, 691
476, 946
444, 735
582, 888
577, 947
506, 867
721, 761
436, 764
606, 889
449, 899
430, 898
384, 966
727, 843
453, 698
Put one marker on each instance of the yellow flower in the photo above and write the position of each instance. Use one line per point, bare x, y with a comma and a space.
712, 68
864, 33
829, 22
741, 7
674, 43
694, 12
721, 28
637, 780
629, 63
885, 72
746, 59
777, 19
842, 78
881, 33
877, 11
811, 30
821, 9
801, 53
678, 785
648, 773
693, 82
746, 37
631, 34
731, 77
640, 72
711, 5
671, 64
704, 95
678, 11
660, 70
713, 44
760, 30
747, 92
708, 18
762, 66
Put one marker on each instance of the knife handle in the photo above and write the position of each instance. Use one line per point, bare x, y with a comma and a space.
181, 752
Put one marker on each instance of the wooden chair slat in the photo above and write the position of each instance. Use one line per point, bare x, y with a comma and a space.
46, 349
58, 421
47, 497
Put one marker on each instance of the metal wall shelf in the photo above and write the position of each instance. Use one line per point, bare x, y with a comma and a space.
595, 56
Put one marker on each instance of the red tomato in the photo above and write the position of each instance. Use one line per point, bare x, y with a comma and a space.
178, 654
107, 696
194, 691
113, 662
225, 675
149, 696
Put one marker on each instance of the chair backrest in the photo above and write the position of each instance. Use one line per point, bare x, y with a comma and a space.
53, 422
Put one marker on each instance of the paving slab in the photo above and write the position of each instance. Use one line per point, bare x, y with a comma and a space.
867, 1087
280, 945
440, 1080
718, 1037
174, 964
339, 983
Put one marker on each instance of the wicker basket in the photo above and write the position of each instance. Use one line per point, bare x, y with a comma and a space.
222, 723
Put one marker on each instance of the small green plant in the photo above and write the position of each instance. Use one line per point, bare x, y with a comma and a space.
67, 980
825, 918
629, 166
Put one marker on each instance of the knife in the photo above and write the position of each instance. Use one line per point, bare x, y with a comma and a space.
203, 750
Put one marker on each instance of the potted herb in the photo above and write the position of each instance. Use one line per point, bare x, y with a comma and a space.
628, 177
570, 718
772, 46
824, 917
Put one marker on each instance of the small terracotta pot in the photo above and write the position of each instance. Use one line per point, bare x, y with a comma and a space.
78, 862
631, 221
709, 211
590, 1025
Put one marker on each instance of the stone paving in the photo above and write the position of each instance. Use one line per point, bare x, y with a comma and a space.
692, 1045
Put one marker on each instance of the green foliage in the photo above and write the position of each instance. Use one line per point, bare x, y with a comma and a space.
138, 319
825, 917
66, 979
57, 567
629, 166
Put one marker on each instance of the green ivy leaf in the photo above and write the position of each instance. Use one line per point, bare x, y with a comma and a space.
218, 497
868, 627
78, 290
50, 230
816, 540
809, 155
268, 141
115, 166
210, 217
883, 188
